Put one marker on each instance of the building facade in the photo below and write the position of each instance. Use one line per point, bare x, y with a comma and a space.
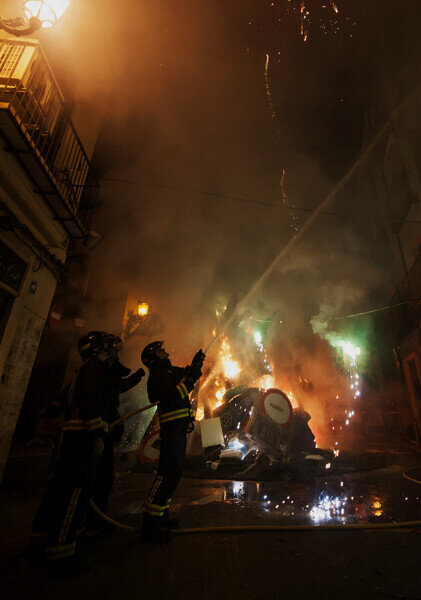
393, 181
47, 198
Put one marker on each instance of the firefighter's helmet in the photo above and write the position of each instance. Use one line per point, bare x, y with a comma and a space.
96, 342
148, 355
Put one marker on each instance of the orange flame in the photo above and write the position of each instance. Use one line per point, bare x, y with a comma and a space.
230, 367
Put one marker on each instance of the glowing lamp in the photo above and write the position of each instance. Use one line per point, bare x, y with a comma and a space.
47, 11
142, 309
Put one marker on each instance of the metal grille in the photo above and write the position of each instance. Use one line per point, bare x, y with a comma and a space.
29, 91
10, 57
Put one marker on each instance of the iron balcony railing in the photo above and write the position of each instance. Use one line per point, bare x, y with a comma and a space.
38, 130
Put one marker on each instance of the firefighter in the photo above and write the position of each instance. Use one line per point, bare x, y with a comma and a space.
87, 415
121, 381
170, 386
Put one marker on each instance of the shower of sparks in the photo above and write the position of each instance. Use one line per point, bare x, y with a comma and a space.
328, 508
290, 205
285, 200
325, 15
306, 16
350, 355
268, 92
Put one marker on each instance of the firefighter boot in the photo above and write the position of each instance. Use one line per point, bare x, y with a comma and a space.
153, 530
170, 522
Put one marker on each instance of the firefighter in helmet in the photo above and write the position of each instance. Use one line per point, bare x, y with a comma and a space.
170, 386
121, 381
88, 412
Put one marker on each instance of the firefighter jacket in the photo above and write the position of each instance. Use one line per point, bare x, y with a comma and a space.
121, 382
170, 386
90, 403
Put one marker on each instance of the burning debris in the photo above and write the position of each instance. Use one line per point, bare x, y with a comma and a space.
253, 413
244, 416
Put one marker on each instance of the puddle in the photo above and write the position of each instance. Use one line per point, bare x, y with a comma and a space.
321, 503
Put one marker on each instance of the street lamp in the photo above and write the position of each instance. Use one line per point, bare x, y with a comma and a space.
40, 13
142, 309
136, 319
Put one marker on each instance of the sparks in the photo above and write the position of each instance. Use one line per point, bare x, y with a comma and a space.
268, 92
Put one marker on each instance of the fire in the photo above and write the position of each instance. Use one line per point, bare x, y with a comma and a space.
265, 382
219, 394
292, 399
200, 413
231, 367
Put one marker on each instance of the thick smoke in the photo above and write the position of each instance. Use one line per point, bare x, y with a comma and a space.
186, 111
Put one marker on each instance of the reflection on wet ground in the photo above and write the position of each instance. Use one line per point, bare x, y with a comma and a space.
383, 496
323, 502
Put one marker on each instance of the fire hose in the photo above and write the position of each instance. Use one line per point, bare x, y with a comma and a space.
405, 474
255, 528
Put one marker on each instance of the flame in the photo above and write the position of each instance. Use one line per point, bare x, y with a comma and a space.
200, 413
293, 399
231, 368
265, 382
219, 394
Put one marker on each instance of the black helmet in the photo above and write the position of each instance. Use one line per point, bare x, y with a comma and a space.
95, 342
148, 355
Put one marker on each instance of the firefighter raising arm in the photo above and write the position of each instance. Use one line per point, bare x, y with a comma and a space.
170, 386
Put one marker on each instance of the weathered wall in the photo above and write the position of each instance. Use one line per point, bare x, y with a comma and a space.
20, 341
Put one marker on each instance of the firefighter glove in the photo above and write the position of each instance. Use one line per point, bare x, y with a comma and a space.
198, 358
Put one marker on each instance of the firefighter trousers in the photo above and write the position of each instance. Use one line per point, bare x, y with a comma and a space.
170, 469
103, 482
66, 499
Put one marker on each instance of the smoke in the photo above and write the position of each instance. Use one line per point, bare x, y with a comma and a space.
185, 106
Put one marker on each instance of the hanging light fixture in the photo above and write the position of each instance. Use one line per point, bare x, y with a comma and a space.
47, 11
40, 13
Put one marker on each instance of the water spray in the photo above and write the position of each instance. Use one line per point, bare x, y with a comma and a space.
339, 186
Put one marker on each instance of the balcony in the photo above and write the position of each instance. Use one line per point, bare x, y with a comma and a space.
35, 122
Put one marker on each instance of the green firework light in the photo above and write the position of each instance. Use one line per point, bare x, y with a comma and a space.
258, 339
351, 350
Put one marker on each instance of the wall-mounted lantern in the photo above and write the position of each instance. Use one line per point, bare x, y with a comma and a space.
142, 309
136, 320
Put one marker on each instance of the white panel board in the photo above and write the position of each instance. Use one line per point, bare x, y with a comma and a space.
211, 432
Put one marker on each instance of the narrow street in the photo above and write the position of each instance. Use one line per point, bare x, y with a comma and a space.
366, 563
210, 300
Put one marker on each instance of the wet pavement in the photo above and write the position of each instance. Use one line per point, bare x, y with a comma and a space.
378, 496
340, 564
